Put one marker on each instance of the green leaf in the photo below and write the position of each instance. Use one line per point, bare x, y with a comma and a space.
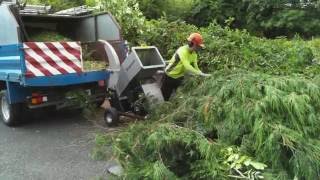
258, 166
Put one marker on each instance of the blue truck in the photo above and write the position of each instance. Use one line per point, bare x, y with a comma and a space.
41, 74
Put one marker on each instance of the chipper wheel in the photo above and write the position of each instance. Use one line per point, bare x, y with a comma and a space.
111, 116
10, 113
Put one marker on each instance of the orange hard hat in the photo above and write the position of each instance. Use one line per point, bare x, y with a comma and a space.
196, 39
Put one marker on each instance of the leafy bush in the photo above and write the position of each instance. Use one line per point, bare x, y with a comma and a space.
239, 49
167, 36
269, 18
128, 15
172, 9
229, 49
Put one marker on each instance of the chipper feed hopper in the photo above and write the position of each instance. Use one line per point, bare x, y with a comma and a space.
136, 84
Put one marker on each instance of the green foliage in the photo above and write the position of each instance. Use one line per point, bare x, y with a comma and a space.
314, 45
268, 116
58, 4
102, 149
206, 11
273, 119
172, 9
47, 36
272, 18
173, 152
128, 15
239, 49
230, 49
79, 98
91, 3
167, 36
237, 162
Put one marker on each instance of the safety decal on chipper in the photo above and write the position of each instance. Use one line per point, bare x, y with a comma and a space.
52, 58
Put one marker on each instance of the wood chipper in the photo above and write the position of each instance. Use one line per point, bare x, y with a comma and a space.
137, 82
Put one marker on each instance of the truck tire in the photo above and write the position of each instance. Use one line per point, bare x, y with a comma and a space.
111, 117
10, 113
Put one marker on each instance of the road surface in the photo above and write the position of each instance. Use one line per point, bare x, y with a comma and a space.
55, 147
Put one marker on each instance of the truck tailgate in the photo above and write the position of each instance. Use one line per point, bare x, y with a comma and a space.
56, 64
52, 58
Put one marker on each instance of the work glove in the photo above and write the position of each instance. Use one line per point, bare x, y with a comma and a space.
205, 75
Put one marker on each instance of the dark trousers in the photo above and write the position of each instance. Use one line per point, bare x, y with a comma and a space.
169, 85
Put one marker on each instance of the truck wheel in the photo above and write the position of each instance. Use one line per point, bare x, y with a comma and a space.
111, 117
10, 113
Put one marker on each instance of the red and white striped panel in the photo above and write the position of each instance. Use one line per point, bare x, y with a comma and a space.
52, 58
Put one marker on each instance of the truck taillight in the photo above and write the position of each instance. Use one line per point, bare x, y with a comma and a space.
102, 83
38, 99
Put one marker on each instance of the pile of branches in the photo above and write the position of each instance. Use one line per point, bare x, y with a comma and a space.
236, 124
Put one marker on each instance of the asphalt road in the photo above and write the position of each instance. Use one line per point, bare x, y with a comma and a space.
54, 146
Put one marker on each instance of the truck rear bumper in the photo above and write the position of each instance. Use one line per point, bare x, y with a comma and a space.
67, 102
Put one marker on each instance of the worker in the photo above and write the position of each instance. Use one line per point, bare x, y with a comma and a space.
184, 61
